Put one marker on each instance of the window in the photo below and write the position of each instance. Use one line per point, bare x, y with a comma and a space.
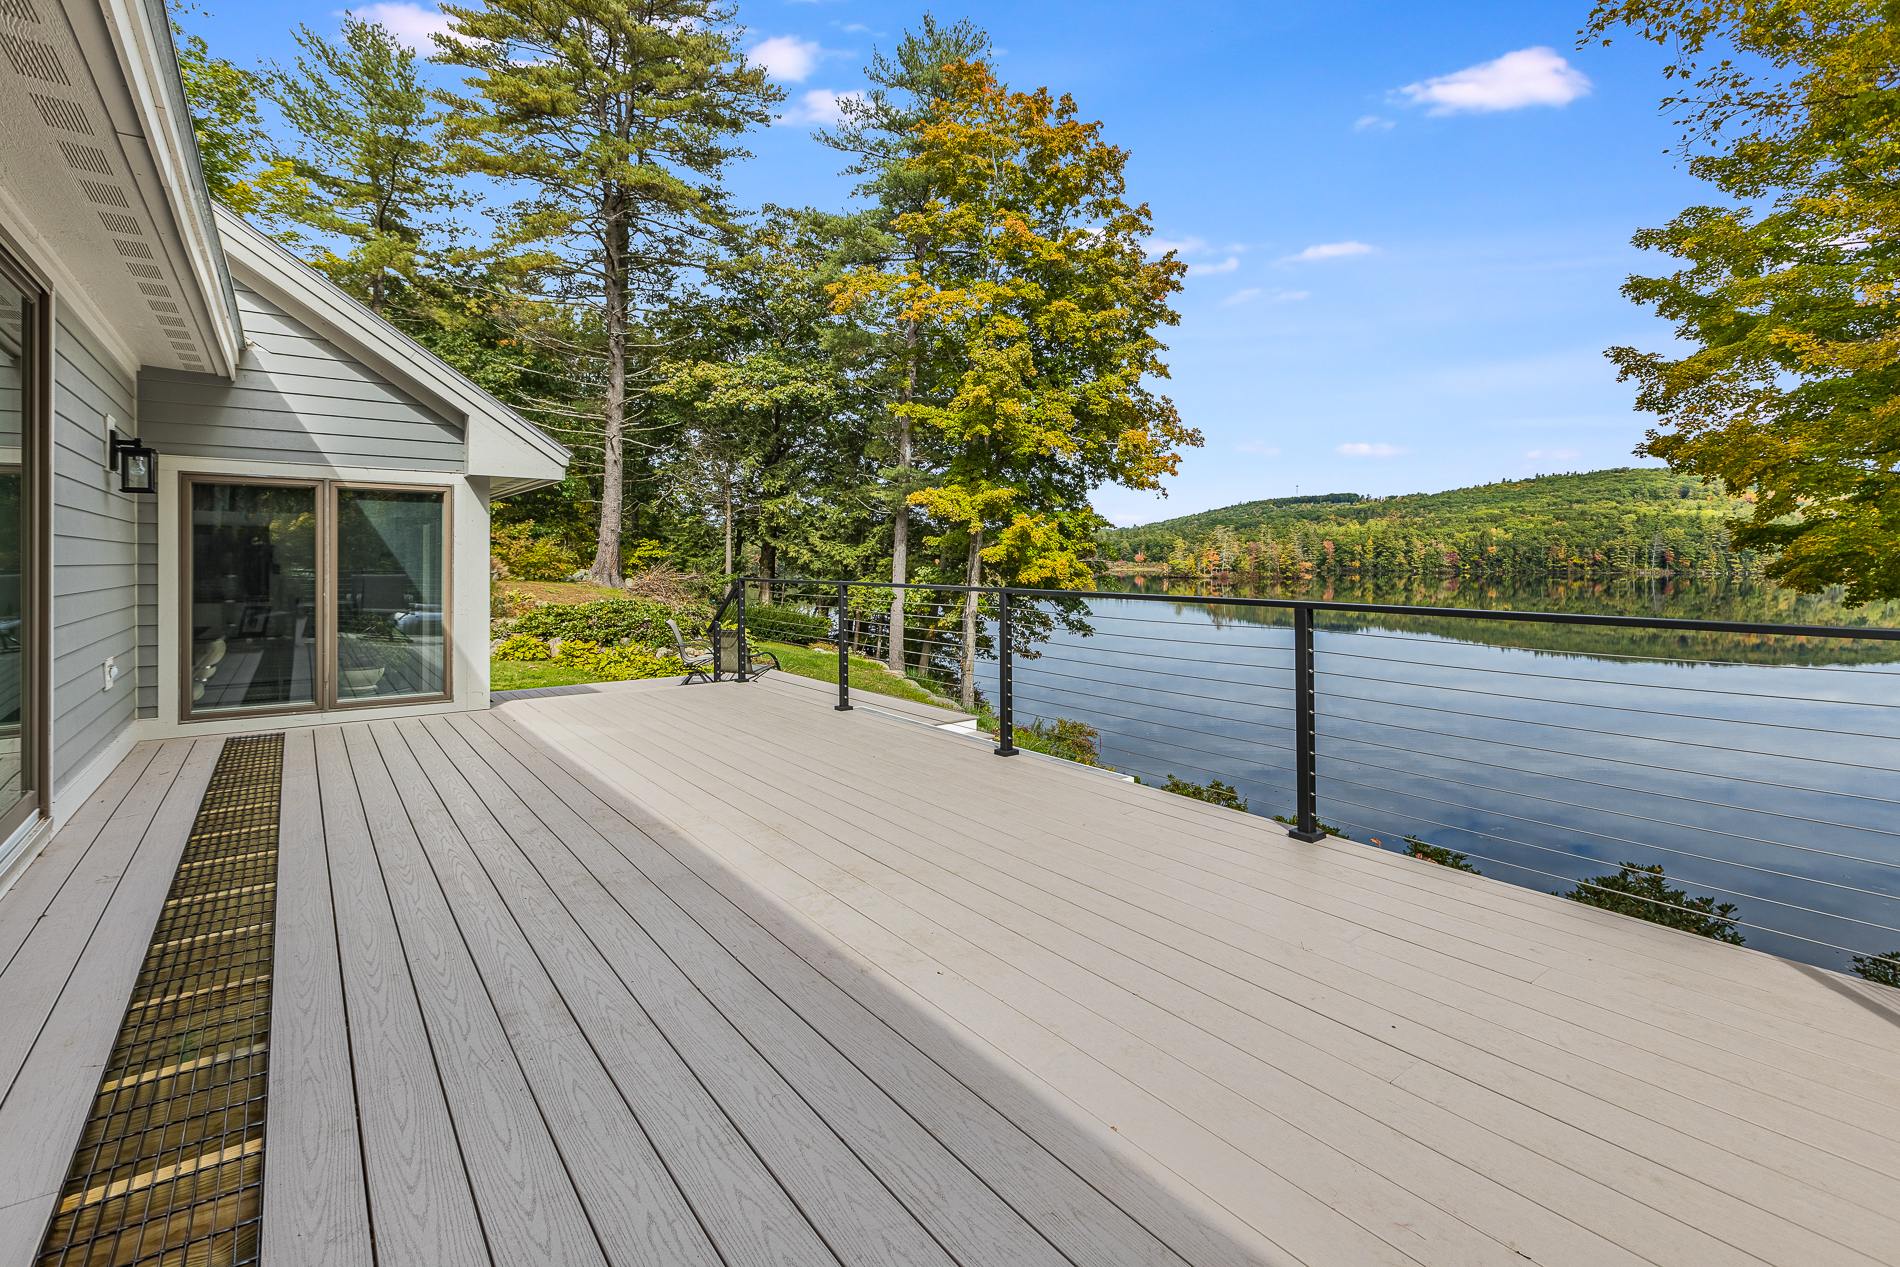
314, 595
22, 402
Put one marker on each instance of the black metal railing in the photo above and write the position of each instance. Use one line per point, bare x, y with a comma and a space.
1443, 731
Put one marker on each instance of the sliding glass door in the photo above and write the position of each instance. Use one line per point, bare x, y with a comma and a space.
314, 595
390, 639
22, 394
253, 620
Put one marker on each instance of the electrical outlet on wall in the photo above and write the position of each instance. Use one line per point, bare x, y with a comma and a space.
111, 672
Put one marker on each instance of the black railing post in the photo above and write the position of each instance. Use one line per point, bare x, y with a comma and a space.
739, 651
844, 658
1005, 683
1305, 778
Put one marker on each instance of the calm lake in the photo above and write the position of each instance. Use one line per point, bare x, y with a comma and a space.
1760, 770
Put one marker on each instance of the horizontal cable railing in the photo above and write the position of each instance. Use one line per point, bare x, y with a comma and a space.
1753, 764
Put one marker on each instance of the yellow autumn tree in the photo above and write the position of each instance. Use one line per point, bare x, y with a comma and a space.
1036, 307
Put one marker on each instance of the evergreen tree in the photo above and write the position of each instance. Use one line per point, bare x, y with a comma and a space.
617, 116
880, 131
366, 167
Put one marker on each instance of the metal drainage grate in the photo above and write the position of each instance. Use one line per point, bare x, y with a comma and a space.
169, 1168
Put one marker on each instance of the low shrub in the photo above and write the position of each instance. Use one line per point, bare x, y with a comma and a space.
527, 557
609, 621
1881, 969
1066, 738
521, 647
1214, 792
776, 623
613, 664
1644, 893
1443, 857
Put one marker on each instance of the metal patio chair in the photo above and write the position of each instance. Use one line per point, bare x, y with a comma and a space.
697, 660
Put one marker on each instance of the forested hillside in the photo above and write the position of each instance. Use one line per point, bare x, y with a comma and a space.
1616, 521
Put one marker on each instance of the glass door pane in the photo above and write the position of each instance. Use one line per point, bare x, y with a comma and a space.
16, 334
253, 628
390, 640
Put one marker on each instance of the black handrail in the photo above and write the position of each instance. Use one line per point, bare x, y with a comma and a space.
1306, 825
1385, 609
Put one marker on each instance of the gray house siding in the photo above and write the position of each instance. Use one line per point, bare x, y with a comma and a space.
95, 556
298, 398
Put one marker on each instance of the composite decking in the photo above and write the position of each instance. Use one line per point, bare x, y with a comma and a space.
650, 974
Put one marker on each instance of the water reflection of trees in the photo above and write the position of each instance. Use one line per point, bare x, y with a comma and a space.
1672, 598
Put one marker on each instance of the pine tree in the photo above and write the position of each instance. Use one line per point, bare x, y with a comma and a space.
617, 116
880, 130
367, 167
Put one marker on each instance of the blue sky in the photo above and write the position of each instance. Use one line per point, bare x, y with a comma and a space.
1408, 223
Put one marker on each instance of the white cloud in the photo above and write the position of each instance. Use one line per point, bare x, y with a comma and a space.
1528, 77
1227, 265
411, 24
1332, 251
1371, 122
820, 105
1252, 293
787, 57
1181, 246
1259, 448
1369, 451
1560, 455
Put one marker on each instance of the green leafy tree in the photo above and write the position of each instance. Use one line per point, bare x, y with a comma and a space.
367, 166
764, 396
1644, 893
881, 130
1787, 299
1038, 306
223, 100
616, 116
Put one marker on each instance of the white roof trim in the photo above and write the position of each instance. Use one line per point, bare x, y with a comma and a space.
151, 77
499, 441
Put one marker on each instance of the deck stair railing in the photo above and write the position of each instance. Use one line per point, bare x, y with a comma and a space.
1755, 763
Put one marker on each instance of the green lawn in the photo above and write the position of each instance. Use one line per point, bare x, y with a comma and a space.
524, 675
866, 675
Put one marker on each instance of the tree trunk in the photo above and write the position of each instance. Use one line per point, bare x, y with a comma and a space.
606, 566
768, 568
900, 524
973, 575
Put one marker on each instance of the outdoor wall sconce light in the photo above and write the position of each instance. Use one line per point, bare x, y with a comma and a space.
137, 464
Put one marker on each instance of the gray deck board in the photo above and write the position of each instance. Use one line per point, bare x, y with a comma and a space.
968, 1218
952, 874
1517, 1061
37, 886
72, 979
630, 1200
421, 1207
322, 1220
530, 1211
642, 974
